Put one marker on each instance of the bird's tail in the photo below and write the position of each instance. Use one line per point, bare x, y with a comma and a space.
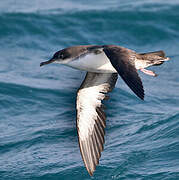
154, 58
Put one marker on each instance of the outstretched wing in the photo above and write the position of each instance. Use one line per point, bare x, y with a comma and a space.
91, 116
123, 61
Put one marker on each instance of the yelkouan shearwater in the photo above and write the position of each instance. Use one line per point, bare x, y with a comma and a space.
103, 64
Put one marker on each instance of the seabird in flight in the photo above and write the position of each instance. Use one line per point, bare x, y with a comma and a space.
103, 64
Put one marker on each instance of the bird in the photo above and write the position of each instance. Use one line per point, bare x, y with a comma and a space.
103, 64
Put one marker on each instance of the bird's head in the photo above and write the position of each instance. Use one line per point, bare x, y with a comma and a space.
63, 57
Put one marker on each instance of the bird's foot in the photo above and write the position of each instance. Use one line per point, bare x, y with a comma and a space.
148, 72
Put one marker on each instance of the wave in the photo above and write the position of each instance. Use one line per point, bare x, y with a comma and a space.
33, 6
139, 22
38, 138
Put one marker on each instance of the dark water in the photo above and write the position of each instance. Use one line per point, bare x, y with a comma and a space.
38, 138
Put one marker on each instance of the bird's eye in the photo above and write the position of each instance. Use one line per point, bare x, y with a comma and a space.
61, 56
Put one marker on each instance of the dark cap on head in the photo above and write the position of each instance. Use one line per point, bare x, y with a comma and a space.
59, 55
67, 53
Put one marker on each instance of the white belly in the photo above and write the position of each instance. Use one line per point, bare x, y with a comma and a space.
93, 63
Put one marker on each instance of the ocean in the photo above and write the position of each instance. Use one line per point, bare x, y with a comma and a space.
38, 137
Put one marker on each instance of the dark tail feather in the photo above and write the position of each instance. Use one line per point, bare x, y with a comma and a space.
156, 53
154, 58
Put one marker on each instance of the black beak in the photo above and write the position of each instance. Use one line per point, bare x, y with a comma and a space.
47, 62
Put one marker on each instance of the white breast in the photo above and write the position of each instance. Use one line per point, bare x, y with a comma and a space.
93, 63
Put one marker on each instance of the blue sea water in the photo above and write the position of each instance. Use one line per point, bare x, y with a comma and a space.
38, 138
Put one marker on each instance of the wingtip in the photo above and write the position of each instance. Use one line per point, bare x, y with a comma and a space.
141, 96
91, 172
